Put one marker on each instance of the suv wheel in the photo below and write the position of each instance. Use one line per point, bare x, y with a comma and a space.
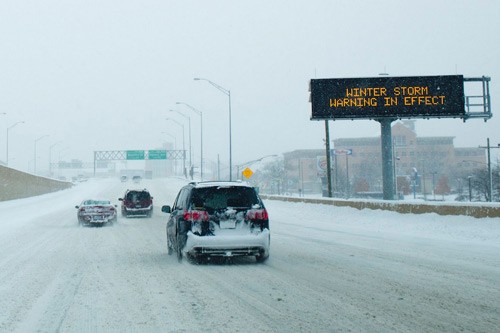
262, 257
169, 247
179, 254
197, 259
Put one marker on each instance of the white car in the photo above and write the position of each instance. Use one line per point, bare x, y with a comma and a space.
96, 212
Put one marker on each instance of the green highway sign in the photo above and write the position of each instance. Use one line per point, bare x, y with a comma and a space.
157, 154
135, 154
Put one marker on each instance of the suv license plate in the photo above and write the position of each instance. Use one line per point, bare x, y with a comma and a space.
228, 224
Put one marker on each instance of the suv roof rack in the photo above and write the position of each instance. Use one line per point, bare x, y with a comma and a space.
220, 182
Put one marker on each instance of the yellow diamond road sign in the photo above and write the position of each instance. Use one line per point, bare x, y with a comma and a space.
247, 173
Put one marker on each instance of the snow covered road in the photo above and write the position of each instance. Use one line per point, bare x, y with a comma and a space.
331, 269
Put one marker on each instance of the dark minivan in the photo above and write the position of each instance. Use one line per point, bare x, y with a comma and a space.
221, 219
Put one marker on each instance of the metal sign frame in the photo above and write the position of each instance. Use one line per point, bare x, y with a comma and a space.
122, 155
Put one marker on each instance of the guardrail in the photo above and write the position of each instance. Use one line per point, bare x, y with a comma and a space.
474, 210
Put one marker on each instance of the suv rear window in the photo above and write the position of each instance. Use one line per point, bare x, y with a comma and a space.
215, 198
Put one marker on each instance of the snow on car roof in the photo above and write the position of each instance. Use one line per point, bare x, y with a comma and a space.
221, 184
91, 202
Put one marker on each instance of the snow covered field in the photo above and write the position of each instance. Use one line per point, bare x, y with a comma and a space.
330, 269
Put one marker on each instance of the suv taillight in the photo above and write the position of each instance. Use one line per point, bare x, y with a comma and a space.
196, 215
257, 215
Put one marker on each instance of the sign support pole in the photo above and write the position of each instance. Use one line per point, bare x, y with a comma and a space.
328, 161
386, 148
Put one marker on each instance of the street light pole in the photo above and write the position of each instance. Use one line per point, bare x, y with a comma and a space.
50, 157
183, 146
7, 150
175, 148
488, 147
173, 137
201, 134
189, 124
247, 164
434, 184
34, 162
228, 93
470, 189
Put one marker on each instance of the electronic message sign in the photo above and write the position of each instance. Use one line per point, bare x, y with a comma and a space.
388, 97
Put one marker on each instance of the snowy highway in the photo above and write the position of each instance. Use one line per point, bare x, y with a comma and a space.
331, 269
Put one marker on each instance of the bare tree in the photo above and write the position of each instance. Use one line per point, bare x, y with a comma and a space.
273, 174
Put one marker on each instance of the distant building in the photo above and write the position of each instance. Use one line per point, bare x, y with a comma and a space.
420, 163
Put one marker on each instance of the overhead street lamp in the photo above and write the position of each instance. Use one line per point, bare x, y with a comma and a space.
201, 134
34, 163
63, 149
189, 124
228, 93
7, 150
247, 164
183, 146
60, 153
173, 137
50, 157
175, 148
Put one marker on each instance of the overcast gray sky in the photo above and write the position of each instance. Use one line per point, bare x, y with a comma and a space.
102, 75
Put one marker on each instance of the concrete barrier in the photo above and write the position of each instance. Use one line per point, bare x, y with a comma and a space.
474, 210
15, 184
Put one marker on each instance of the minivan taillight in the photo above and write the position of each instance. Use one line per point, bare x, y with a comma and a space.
196, 215
257, 215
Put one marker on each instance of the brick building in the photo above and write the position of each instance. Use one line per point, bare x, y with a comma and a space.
422, 164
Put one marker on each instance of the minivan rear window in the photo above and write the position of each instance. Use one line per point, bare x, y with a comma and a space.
215, 198
138, 196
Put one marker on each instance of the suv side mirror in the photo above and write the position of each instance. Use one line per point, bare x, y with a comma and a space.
120, 199
166, 209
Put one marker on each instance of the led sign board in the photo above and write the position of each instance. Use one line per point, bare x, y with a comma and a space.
388, 97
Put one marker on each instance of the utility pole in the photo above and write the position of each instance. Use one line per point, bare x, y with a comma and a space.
488, 147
